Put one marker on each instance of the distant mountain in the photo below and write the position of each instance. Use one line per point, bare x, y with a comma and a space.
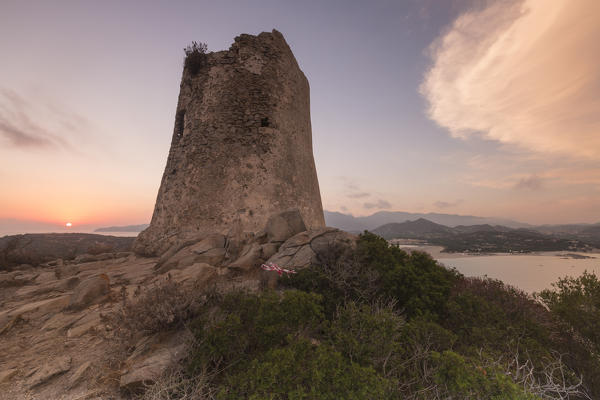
481, 228
418, 229
128, 228
483, 238
350, 223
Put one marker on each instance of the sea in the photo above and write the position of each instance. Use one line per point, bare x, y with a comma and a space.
13, 232
531, 272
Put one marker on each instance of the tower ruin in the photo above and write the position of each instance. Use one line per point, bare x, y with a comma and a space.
241, 148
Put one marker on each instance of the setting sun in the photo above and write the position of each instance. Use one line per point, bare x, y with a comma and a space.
68, 224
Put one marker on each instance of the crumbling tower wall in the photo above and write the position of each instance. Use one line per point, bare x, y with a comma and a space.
241, 147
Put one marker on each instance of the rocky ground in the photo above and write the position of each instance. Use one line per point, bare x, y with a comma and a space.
56, 331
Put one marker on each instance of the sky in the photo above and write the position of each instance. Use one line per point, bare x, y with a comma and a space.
475, 107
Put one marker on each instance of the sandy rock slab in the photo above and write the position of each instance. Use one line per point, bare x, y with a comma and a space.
6, 375
49, 371
150, 359
89, 291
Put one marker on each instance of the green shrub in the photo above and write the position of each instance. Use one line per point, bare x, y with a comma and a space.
367, 334
240, 325
419, 284
302, 370
463, 380
577, 302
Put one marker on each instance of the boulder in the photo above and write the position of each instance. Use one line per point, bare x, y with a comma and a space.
79, 373
252, 257
89, 322
61, 321
51, 286
45, 277
8, 279
149, 360
195, 273
89, 291
311, 247
269, 249
282, 226
7, 374
210, 250
50, 370
84, 258
66, 271
212, 256
214, 241
40, 308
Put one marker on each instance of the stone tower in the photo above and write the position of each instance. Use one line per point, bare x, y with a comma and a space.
241, 147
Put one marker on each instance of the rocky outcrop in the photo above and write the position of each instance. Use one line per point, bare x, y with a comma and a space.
39, 248
312, 247
89, 291
241, 149
50, 370
54, 330
151, 357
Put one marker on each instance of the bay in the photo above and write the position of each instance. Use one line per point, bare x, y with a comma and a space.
531, 272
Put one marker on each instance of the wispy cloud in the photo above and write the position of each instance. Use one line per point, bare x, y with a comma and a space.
523, 73
447, 204
358, 195
379, 204
26, 124
533, 182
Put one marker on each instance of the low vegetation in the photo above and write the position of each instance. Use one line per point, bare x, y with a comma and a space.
195, 57
379, 323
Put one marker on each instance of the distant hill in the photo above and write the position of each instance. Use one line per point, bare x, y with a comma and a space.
481, 238
418, 229
128, 228
586, 232
350, 223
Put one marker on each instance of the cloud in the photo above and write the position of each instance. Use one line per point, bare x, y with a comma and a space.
21, 123
358, 195
446, 204
531, 183
379, 204
522, 73
19, 138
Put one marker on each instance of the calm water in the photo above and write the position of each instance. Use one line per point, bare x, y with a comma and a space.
530, 272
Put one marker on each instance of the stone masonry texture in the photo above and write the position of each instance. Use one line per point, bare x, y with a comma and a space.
241, 147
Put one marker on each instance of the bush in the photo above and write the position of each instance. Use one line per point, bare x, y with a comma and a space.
418, 283
455, 376
577, 302
195, 57
240, 325
305, 371
165, 306
367, 334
